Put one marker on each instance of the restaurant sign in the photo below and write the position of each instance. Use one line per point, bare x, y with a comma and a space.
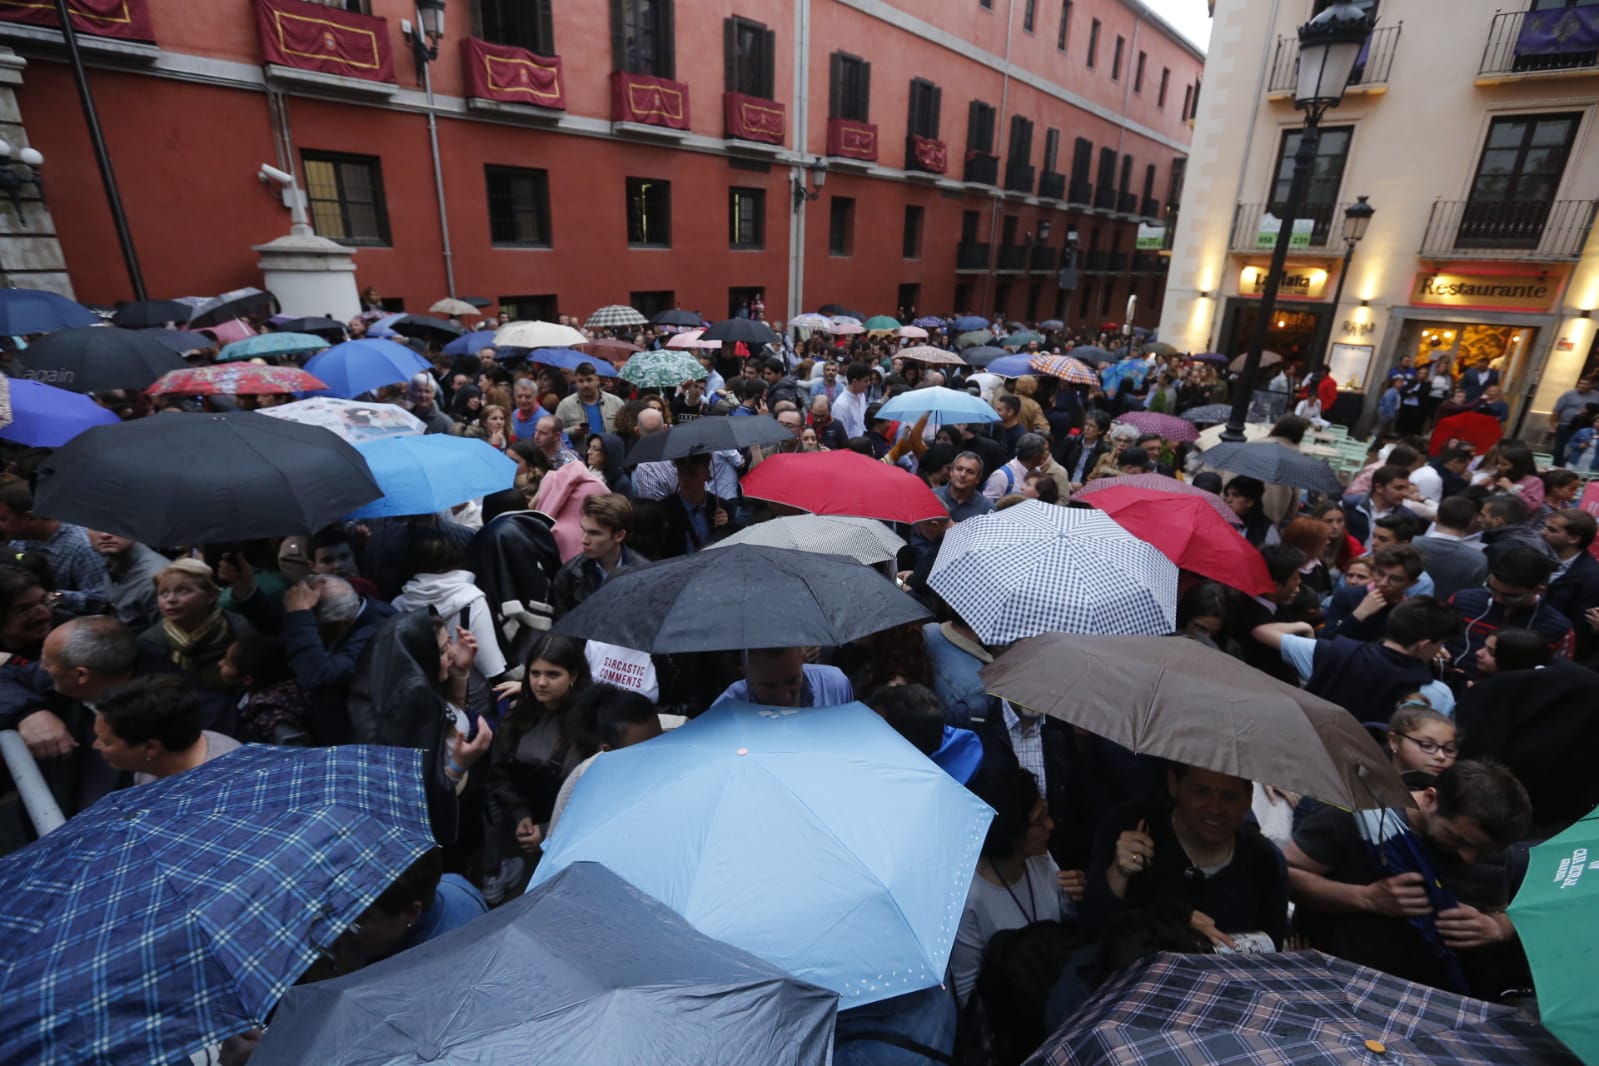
1485, 292
1299, 283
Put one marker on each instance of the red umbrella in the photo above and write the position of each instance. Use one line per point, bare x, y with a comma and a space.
1483, 431
844, 483
236, 379
610, 349
1159, 483
1170, 427
1186, 530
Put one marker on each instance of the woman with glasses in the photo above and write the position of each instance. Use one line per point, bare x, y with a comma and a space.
1420, 738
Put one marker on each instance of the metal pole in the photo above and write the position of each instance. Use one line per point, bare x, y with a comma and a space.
1338, 294
438, 173
37, 800
1244, 388
108, 177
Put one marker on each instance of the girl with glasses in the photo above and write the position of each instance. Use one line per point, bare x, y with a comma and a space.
1420, 738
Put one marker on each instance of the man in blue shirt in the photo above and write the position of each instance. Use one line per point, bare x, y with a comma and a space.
589, 407
961, 496
525, 419
780, 677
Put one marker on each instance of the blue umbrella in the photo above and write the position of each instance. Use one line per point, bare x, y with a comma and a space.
43, 416
967, 323
263, 345
355, 367
24, 311
470, 343
426, 475
821, 841
1011, 366
948, 406
929, 322
173, 915
568, 359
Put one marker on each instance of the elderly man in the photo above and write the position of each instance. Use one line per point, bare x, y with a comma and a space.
547, 437
1032, 456
76, 569
423, 393
130, 578
829, 431
326, 625
589, 407
780, 677
657, 480
960, 496
525, 395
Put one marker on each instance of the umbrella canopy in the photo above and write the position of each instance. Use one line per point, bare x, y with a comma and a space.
263, 345
1158, 483
1482, 430
811, 320
845, 326
568, 359
1052, 323
1021, 339
968, 323
614, 316
430, 474
1180, 700
26, 311
1011, 366
840, 311
1266, 359
662, 369
926, 353
948, 406
258, 477
1088, 353
1304, 1008
420, 327
740, 597
611, 349
96, 359
1208, 414
1208, 357
982, 355
355, 367
237, 303
602, 973
227, 331
885, 322
705, 435
846, 483
973, 338
1170, 427
676, 317
43, 416
929, 322
745, 330
1553, 913
350, 419
181, 341
1158, 348
235, 379
866, 540
470, 343
1211, 437
1036, 568
823, 841
1186, 530
1273, 464
322, 327
536, 335
911, 333
1064, 367
453, 307
140, 314
691, 340
175, 914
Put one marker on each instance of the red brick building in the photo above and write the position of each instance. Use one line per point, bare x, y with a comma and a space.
628, 151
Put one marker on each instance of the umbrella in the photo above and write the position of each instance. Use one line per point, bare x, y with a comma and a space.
1186, 530
703, 436
1052, 323
843, 482
1273, 464
926, 353
911, 333
1170, 427
430, 474
602, 973
43, 416
676, 317
967, 323
453, 307
270, 344
1158, 348
811, 320
1035, 567
822, 840
740, 597
477, 303
1208, 414
96, 359
948, 406
470, 343
1010, 366
140, 314
235, 379
355, 367
982, 355
691, 340
661, 370
351, 420
1211, 437
1088, 353
1304, 1008
1065, 367
323, 327
419, 327
181, 341
1180, 700
188, 479
881, 322
237, 303
1159, 483
929, 322
1482, 430
612, 316
744, 330
845, 326
28, 311
840, 311
175, 914
226, 332
973, 337
1553, 915
866, 540
1021, 339
1266, 359
611, 349
567, 359
1208, 357
536, 335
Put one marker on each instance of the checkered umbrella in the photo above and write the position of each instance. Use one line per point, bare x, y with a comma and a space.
661, 370
865, 540
1170, 427
1038, 568
173, 915
1302, 1008
613, 315
926, 353
1071, 371
1208, 414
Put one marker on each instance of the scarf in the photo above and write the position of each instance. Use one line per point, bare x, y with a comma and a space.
199, 652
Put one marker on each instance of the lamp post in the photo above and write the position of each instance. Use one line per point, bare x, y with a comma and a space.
818, 173
1329, 47
424, 38
1357, 216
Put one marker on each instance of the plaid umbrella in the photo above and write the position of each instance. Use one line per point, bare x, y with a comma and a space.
1037, 568
173, 915
350, 419
866, 540
1208, 414
1065, 367
661, 370
1274, 464
1159, 483
1170, 427
263, 345
235, 379
926, 353
613, 315
1302, 1008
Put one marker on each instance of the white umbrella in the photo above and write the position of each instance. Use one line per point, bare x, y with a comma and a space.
353, 420
864, 539
454, 308
537, 335
911, 333
844, 326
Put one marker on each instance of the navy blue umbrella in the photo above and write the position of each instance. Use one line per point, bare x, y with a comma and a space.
470, 343
97, 359
24, 311
967, 323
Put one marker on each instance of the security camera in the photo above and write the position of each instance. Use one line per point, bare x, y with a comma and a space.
268, 172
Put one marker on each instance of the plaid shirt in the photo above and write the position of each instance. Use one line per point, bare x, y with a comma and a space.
77, 570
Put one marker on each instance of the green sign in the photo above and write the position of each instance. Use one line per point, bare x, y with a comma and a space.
1266, 234
1150, 237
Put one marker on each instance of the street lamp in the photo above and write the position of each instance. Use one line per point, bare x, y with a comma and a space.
818, 172
430, 26
1357, 216
1329, 47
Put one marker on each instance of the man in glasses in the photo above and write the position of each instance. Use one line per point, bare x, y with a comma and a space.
1518, 577
1362, 613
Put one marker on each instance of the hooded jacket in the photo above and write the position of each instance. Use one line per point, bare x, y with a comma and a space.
450, 594
561, 496
616, 478
1032, 414
515, 559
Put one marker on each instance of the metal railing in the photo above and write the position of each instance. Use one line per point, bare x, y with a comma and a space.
1019, 177
1012, 258
981, 170
1325, 228
973, 255
1080, 192
1052, 186
1105, 199
1526, 229
1515, 48
1373, 69
1044, 259
1149, 208
1126, 204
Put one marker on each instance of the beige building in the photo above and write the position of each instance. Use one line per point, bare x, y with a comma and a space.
1473, 132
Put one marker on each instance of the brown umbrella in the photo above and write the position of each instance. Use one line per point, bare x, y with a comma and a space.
610, 349
926, 353
1266, 359
1180, 700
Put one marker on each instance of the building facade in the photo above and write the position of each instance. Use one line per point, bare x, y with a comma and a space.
629, 151
1472, 131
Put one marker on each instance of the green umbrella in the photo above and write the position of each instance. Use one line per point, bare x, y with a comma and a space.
975, 337
264, 344
1554, 916
1021, 339
881, 322
661, 370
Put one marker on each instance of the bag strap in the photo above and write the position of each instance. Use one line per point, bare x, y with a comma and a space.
883, 1036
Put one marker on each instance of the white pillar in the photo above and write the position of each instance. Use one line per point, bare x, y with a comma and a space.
310, 276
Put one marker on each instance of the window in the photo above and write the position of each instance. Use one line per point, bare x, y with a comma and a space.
1138, 72
1149, 182
1116, 59
915, 216
359, 7
649, 213
749, 54
963, 296
539, 308
1126, 184
519, 23
1002, 299
1007, 230
1082, 159
519, 206
980, 128
1029, 15
1165, 83
849, 88
345, 193
642, 37
1065, 22
1093, 43
746, 218
841, 226
650, 303
1021, 141
910, 295
1051, 150
1517, 180
1174, 182
970, 220
1188, 100
927, 101
1193, 111
1107, 170
1326, 176
987, 5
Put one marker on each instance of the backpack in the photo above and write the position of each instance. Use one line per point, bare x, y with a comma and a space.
1018, 972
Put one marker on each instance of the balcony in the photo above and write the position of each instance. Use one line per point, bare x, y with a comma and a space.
1043, 259
851, 140
121, 29
503, 78
1080, 193
1319, 230
1548, 230
1371, 69
1105, 198
926, 155
1095, 261
1560, 42
1150, 263
1126, 204
1149, 208
330, 48
1012, 259
972, 257
981, 169
1019, 177
1052, 186
751, 118
646, 105
1118, 262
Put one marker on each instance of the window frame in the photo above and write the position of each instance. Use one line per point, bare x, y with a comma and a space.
662, 60
541, 204
1029, 15
1139, 63
912, 240
645, 184
537, 23
1165, 85
756, 214
379, 202
841, 226
924, 109
838, 94
1063, 33
1093, 44
761, 82
1117, 57
981, 116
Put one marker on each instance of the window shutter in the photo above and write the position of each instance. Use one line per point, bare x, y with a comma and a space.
668, 39
974, 119
938, 111
866, 92
835, 64
618, 37
730, 55
769, 64
545, 22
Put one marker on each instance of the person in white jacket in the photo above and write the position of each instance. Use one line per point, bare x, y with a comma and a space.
439, 583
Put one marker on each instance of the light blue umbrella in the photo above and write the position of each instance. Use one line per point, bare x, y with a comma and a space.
817, 839
569, 359
967, 323
355, 367
426, 475
1009, 366
266, 344
470, 343
948, 406
43, 416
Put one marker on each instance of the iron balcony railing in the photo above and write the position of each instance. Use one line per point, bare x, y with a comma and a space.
1533, 42
1052, 186
1044, 259
1012, 258
973, 255
981, 169
1525, 229
1318, 228
1372, 69
1019, 177
1080, 192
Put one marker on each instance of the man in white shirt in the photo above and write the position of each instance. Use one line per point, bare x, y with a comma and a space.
849, 410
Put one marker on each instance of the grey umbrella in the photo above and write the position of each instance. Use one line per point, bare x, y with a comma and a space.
1273, 464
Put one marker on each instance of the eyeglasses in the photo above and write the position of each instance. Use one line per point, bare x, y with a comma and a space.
1431, 747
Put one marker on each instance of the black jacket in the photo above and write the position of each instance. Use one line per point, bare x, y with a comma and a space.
576, 581
679, 539
515, 559
1573, 593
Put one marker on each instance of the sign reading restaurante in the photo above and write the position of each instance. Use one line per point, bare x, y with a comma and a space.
1496, 292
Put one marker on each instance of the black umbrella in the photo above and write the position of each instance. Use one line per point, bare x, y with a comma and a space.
180, 340
97, 359
747, 330
258, 477
675, 317
422, 327
322, 327
705, 435
1209, 414
983, 354
1089, 354
238, 303
741, 597
141, 314
840, 309
1272, 463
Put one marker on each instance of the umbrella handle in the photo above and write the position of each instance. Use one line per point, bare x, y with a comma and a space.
43, 811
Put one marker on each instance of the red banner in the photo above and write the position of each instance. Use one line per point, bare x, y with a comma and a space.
649, 100
931, 155
852, 140
512, 75
127, 20
325, 39
753, 119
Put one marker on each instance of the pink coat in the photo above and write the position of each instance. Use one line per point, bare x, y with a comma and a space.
561, 496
